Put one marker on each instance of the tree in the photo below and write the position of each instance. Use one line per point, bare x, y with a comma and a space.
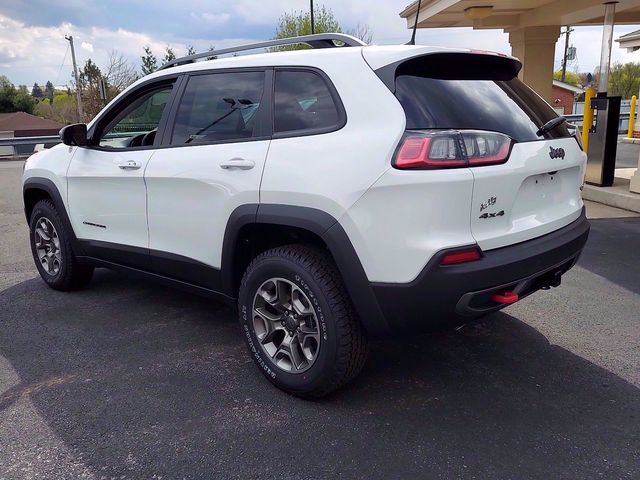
14, 100
90, 78
149, 61
191, 50
49, 90
571, 78
363, 32
36, 91
119, 74
296, 23
168, 55
63, 108
24, 103
624, 79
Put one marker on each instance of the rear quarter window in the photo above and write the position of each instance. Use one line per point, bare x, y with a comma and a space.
304, 104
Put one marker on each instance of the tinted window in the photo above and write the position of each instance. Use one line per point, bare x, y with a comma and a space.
303, 102
218, 107
506, 106
136, 125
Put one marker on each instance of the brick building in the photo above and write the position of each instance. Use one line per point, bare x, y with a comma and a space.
563, 95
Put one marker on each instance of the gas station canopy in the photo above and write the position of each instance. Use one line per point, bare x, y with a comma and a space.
514, 14
533, 27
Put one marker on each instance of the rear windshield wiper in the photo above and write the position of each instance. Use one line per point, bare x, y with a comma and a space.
550, 125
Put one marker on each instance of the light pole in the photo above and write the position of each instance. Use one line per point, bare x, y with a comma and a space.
75, 74
313, 28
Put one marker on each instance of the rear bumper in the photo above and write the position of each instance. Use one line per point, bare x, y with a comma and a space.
456, 294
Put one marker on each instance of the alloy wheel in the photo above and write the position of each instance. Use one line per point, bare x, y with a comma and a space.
286, 325
47, 245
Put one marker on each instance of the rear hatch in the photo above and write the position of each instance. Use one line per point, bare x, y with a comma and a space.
527, 182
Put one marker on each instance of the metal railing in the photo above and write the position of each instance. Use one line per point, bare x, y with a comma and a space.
622, 125
12, 142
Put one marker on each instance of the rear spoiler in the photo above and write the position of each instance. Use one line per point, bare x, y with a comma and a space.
452, 66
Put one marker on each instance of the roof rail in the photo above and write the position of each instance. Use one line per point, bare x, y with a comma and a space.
319, 40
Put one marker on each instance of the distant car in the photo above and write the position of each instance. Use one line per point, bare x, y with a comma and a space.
332, 193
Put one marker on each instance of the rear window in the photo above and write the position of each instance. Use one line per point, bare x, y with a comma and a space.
437, 93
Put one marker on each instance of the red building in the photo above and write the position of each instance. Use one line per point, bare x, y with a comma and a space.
563, 96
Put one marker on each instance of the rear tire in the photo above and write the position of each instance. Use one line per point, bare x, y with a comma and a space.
299, 323
52, 252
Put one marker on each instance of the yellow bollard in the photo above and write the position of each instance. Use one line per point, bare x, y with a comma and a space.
587, 120
632, 117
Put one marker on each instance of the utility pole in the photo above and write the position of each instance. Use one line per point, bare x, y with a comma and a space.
567, 32
313, 28
75, 74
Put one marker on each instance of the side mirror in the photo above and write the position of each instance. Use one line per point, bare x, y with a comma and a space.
74, 135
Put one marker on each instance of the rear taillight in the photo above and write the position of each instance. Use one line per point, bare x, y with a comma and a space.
451, 149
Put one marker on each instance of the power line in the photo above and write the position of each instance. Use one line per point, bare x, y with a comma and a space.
61, 65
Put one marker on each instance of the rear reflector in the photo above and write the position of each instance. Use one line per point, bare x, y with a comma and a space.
506, 298
461, 256
434, 149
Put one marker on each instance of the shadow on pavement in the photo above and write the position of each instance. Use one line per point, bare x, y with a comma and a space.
613, 251
140, 380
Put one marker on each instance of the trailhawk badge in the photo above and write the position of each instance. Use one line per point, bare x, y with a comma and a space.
556, 152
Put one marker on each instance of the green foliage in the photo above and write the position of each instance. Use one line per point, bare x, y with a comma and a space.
572, 78
624, 79
191, 50
90, 77
149, 61
36, 91
168, 55
297, 23
63, 108
49, 90
14, 100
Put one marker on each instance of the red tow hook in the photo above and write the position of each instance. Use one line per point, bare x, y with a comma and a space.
506, 298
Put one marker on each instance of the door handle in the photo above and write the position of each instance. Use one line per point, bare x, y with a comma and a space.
237, 163
129, 165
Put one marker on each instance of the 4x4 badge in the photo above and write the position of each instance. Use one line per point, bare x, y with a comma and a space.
556, 152
492, 215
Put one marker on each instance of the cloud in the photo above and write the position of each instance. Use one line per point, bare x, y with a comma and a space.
215, 19
32, 45
37, 54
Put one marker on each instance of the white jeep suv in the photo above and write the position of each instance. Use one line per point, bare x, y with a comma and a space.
333, 193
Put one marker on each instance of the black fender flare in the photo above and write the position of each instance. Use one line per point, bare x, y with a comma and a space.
330, 231
46, 185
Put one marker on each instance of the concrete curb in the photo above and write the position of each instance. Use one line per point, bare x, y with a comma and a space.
630, 140
617, 196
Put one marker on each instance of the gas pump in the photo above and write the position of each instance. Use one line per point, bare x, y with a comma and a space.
603, 140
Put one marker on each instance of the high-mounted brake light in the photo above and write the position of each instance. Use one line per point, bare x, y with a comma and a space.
452, 149
461, 256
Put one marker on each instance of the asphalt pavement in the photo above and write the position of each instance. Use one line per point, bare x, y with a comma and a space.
131, 380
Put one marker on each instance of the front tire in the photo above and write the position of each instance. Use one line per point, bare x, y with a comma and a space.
299, 323
52, 252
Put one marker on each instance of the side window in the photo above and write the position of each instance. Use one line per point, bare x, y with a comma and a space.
218, 107
303, 102
136, 125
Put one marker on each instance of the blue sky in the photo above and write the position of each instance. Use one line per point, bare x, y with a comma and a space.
33, 49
